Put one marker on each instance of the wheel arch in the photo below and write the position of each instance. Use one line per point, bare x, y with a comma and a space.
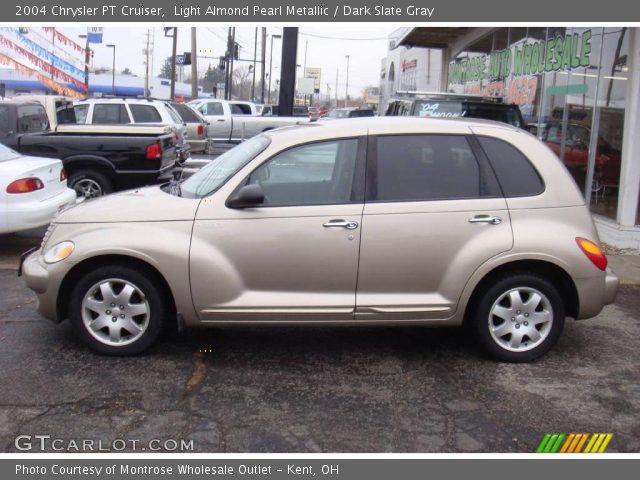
549, 270
92, 263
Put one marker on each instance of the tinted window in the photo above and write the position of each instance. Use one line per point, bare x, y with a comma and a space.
65, 113
32, 118
428, 167
360, 113
517, 177
4, 121
212, 108
240, 109
315, 174
145, 114
81, 112
186, 113
110, 113
173, 114
454, 108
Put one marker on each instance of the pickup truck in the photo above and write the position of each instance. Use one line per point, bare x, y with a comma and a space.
230, 123
100, 159
18, 119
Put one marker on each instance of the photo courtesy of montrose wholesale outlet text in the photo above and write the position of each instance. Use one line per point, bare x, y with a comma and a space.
330, 240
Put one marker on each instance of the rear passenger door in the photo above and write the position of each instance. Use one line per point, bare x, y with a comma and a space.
434, 213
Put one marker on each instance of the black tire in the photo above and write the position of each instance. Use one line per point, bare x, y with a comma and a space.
526, 284
152, 321
77, 179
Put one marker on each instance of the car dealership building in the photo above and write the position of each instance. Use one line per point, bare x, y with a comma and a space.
579, 91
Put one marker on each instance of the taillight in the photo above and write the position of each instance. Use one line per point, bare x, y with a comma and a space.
25, 185
63, 175
154, 151
200, 130
593, 252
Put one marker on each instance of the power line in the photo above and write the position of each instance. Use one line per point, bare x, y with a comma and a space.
341, 38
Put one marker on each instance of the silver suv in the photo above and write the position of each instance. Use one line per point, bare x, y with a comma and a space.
372, 221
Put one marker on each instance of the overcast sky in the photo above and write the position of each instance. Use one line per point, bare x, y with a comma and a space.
327, 46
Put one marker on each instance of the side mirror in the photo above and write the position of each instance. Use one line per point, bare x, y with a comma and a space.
247, 197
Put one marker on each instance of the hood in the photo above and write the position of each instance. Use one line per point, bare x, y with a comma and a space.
149, 204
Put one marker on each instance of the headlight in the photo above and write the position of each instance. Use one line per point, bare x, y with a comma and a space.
59, 252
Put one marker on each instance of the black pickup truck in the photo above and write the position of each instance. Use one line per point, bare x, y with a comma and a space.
100, 159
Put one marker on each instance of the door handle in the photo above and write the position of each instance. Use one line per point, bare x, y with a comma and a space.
220, 120
493, 220
348, 224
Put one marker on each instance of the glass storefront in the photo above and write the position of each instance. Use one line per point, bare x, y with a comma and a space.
570, 84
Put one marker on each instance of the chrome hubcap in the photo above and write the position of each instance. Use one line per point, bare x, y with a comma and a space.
87, 188
520, 319
115, 312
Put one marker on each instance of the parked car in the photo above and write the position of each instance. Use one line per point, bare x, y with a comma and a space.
350, 113
197, 127
32, 189
464, 223
103, 158
21, 118
448, 105
229, 126
133, 110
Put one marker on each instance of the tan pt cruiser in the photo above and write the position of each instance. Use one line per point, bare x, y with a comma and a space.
373, 221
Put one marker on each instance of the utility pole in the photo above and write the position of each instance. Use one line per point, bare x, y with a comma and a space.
346, 100
255, 58
146, 66
173, 63
336, 91
231, 59
194, 65
226, 64
264, 59
288, 71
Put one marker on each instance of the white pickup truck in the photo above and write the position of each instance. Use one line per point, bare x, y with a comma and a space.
234, 121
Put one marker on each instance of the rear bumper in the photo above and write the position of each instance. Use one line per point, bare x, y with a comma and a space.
198, 145
594, 293
38, 213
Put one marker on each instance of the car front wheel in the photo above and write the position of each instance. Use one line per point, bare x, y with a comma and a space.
518, 318
117, 310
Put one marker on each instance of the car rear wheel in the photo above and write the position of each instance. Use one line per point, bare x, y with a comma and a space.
90, 184
117, 310
518, 318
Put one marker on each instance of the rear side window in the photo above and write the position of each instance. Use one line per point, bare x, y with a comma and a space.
32, 118
240, 109
110, 113
188, 115
428, 167
517, 177
145, 114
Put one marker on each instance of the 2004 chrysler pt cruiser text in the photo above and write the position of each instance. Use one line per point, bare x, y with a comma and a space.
370, 221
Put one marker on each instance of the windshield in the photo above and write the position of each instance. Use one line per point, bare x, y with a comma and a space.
509, 114
7, 154
213, 176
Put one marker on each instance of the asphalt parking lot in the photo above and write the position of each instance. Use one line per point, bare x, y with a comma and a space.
315, 389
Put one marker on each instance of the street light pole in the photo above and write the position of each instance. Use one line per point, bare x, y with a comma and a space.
270, 66
346, 100
113, 69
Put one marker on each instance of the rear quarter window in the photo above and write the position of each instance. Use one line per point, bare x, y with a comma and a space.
145, 114
516, 175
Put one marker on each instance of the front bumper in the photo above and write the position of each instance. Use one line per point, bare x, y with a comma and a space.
37, 278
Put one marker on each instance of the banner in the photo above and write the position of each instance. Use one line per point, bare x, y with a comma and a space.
50, 57
51, 84
43, 64
63, 39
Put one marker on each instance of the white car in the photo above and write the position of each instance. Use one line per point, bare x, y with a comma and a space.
125, 110
32, 189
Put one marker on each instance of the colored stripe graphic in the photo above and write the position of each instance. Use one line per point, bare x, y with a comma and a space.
554, 442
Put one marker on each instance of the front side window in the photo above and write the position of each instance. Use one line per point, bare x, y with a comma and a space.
145, 114
81, 112
211, 108
315, 174
110, 113
414, 168
32, 118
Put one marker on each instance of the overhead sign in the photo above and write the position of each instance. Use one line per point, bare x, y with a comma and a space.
184, 59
